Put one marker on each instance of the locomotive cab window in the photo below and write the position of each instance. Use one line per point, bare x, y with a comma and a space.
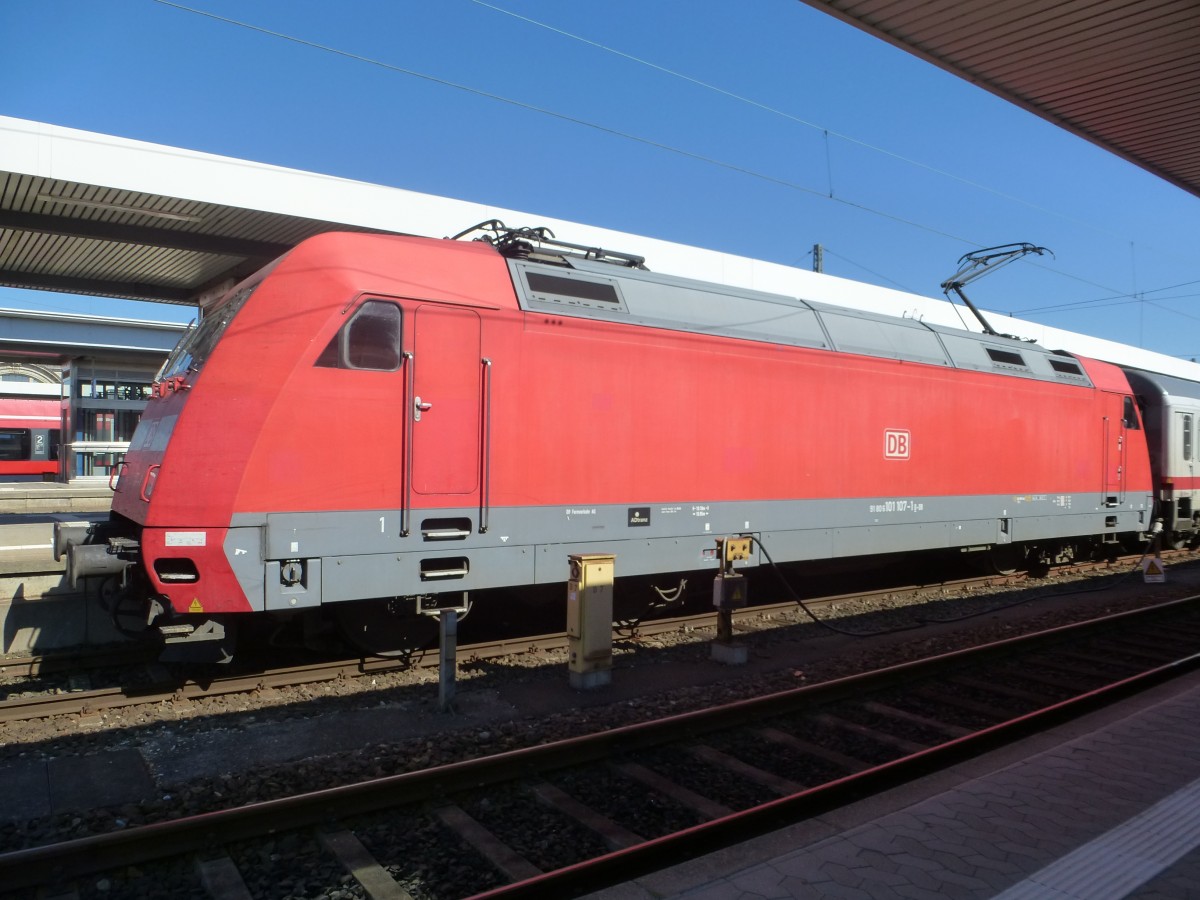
198, 341
1129, 417
370, 340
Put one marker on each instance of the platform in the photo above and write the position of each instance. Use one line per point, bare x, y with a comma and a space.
20, 497
1101, 808
39, 611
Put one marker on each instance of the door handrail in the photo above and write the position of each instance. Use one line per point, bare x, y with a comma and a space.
410, 364
485, 447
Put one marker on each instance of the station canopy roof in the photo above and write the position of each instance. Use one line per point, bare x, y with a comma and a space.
1124, 74
92, 214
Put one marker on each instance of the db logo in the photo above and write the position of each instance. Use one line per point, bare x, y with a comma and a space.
896, 444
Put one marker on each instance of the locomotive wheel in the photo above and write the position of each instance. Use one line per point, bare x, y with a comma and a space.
1178, 540
127, 611
1005, 559
387, 628
109, 593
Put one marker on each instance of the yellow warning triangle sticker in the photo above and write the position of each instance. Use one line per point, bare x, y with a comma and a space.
1153, 571
195, 607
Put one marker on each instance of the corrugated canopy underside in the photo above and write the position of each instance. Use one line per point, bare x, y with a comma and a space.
85, 239
1123, 74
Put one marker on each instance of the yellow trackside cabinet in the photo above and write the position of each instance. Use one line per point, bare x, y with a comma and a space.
589, 619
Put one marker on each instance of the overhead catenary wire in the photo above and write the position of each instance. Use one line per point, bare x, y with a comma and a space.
878, 275
827, 193
826, 132
564, 117
1124, 297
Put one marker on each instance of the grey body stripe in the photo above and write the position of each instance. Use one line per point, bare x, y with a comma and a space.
360, 554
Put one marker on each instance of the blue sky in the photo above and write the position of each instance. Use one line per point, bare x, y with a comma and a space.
759, 128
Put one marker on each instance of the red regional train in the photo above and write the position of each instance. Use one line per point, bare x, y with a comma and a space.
29, 431
378, 425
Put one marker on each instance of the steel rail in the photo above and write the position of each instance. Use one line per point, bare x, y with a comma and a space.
31, 666
652, 855
104, 699
74, 858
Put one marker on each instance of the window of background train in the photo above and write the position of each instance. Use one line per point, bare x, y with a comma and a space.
14, 444
370, 340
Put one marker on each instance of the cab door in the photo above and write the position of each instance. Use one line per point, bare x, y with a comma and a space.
1114, 461
445, 410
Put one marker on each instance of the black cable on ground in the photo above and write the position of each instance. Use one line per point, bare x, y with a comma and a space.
922, 622
1151, 546
796, 597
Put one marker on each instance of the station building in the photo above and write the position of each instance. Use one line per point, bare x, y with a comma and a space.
97, 371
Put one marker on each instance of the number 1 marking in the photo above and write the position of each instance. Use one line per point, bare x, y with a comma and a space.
381, 519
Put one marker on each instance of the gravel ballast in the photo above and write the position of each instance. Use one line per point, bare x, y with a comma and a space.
227, 751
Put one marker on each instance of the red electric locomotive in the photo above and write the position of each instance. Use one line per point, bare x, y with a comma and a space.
29, 431
376, 424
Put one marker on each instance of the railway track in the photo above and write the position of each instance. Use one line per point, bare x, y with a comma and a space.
560, 819
84, 702
164, 686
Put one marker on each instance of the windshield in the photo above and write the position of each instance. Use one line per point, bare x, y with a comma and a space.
197, 343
